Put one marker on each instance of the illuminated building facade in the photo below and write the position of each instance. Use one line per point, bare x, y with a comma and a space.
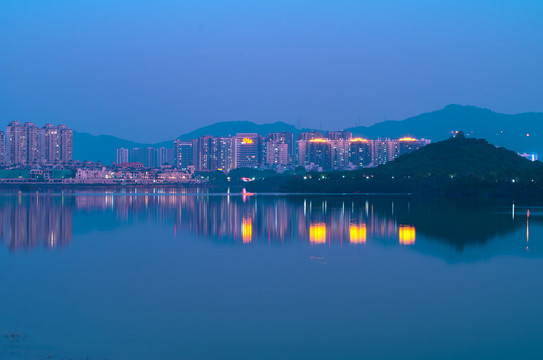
279, 148
341, 151
360, 152
248, 150
222, 153
215, 153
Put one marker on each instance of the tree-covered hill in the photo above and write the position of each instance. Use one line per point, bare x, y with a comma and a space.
461, 157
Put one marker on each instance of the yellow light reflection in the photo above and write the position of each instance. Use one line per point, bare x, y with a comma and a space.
358, 234
359, 140
318, 140
317, 233
247, 141
247, 230
407, 138
407, 235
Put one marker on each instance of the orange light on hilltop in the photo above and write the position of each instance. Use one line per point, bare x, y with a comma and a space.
246, 141
407, 138
357, 234
317, 233
247, 230
318, 140
407, 235
359, 140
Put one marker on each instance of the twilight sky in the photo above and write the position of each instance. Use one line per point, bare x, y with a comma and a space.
152, 70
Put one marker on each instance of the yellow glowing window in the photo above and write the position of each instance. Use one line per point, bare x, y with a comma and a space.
246, 141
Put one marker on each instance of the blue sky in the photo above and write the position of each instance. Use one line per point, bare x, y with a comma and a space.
151, 70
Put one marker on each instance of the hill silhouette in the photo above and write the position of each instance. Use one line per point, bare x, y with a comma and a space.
100, 147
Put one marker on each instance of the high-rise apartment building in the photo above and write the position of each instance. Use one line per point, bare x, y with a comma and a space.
360, 152
34, 143
164, 156
223, 153
302, 146
148, 157
17, 144
283, 137
183, 153
310, 135
339, 135
248, 150
339, 152
382, 151
66, 144
277, 153
122, 156
51, 144
27, 144
56, 144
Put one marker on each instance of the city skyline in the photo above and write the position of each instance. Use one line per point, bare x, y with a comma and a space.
280, 151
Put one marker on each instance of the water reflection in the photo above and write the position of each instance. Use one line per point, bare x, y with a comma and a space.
406, 233
31, 221
47, 219
357, 234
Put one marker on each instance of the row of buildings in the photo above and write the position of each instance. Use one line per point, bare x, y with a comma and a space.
312, 150
28, 144
146, 157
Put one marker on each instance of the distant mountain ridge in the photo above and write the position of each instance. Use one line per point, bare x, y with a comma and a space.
519, 132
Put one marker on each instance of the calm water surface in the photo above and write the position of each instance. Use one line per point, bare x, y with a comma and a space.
157, 275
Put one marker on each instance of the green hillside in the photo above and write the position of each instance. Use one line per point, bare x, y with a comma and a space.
461, 157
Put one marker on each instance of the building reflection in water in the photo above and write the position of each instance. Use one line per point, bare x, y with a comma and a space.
46, 219
247, 230
29, 220
406, 233
317, 233
357, 234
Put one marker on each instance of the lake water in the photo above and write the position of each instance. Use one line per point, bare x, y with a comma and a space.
153, 274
